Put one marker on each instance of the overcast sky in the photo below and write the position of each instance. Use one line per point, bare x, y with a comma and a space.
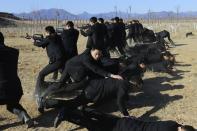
98, 6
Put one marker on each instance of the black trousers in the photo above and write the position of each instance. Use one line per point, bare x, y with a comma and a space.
50, 68
90, 119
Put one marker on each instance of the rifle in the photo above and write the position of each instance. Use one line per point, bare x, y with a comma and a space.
35, 37
84, 27
59, 30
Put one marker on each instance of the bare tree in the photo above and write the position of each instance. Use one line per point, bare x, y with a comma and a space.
177, 13
57, 18
129, 12
116, 10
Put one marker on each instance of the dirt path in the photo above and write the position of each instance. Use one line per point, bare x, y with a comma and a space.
164, 97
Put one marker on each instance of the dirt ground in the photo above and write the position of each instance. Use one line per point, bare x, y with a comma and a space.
163, 97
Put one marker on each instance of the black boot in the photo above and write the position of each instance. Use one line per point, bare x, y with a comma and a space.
24, 117
59, 118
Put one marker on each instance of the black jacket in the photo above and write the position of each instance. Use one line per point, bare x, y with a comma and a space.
131, 31
106, 36
10, 85
140, 28
54, 47
123, 27
96, 36
115, 34
82, 66
69, 40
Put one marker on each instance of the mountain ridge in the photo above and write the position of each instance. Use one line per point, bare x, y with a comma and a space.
61, 14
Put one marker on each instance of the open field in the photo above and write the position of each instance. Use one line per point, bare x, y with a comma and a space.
164, 96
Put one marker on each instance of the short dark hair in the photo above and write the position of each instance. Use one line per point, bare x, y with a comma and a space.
188, 128
93, 19
117, 19
70, 23
101, 20
1, 38
142, 61
50, 29
96, 48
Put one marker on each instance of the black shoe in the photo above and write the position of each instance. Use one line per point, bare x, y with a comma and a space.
30, 123
59, 118
40, 104
57, 121
26, 119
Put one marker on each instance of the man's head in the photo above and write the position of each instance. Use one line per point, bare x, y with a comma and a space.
50, 30
135, 21
1, 39
116, 19
96, 53
93, 20
69, 25
141, 63
101, 20
186, 128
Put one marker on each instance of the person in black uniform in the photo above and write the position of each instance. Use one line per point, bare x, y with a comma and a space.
53, 45
116, 35
131, 34
140, 29
136, 31
10, 84
70, 37
96, 34
105, 51
96, 121
123, 30
69, 40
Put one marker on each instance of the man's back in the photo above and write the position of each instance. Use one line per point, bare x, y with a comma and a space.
98, 35
84, 65
70, 38
10, 85
53, 45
